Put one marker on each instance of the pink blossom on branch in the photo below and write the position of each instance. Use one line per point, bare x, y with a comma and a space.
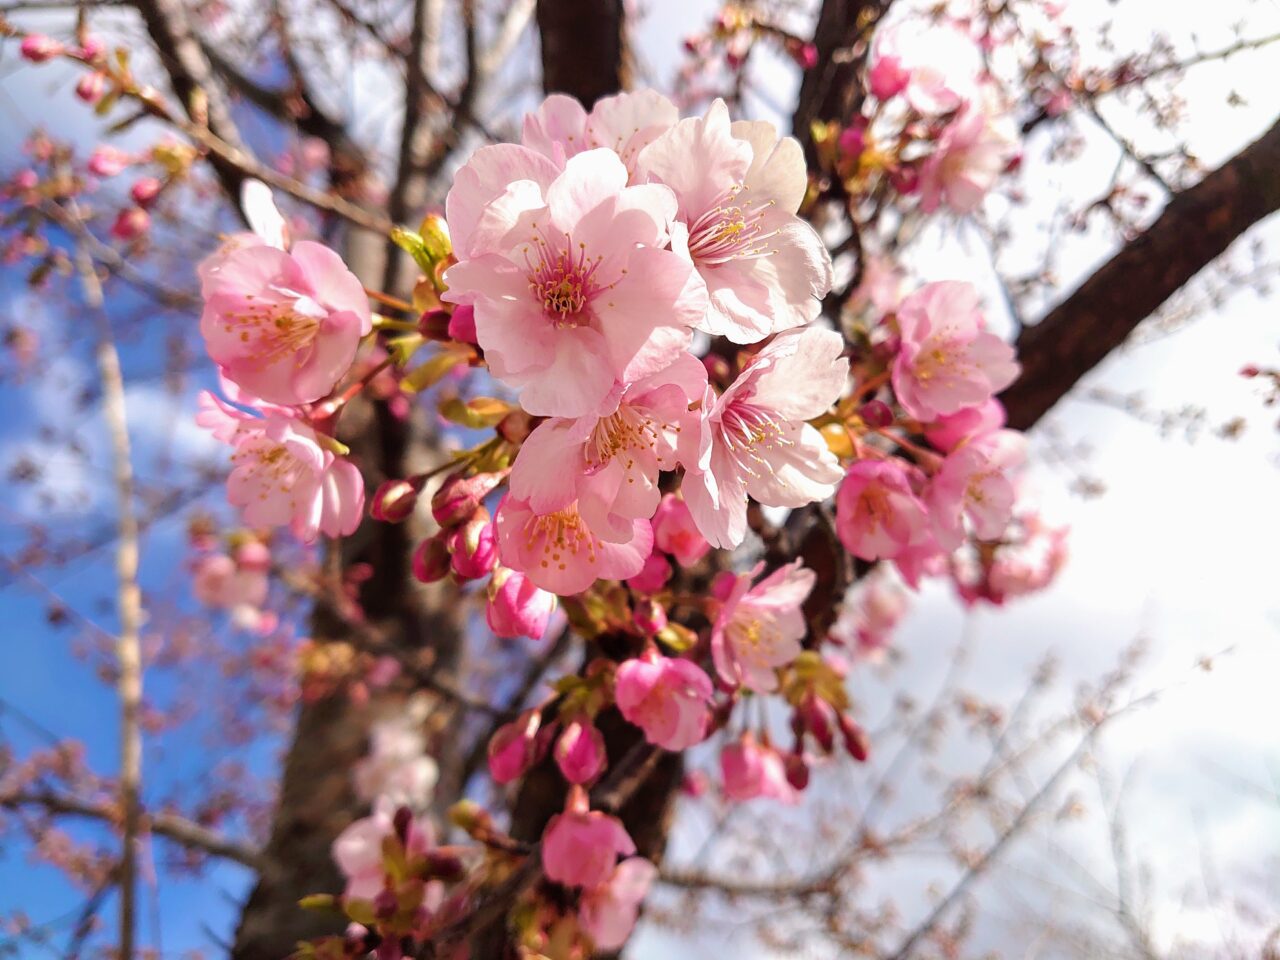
755, 440
947, 360
625, 123
608, 912
675, 533
666, 697
759, 627
976, 482
749, 769
516, 607
739, 187
580, 847
284, 473
877, 513
573, 293
969, 156
559, 552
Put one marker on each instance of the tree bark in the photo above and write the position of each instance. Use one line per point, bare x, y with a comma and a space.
584, 48
1195, 228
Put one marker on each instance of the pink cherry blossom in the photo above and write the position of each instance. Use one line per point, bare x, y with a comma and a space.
880, 289
749, 769
872, 610
653, 576
219, 582
576, 295
610, 464
947, 360
877, 513
580, 752
283, 325
580, 847
759, 628
755, 440
473, 547
949, 431
283, 474
976, 481
516, 607
934, 65
739, 187
626, 123
608, 913
108, 161
969, 156
560, 553
674, 532
358, 850
666, 697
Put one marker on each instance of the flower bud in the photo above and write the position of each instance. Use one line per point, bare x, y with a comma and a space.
431, 560
145, 190
460, 496
91, 86
474, 547
580, 752
856, 740
649, 617
653, 576
394, 501
512, 747
434, 324
516, 607
402, 821
462, 325
37, 48
92, 47
876, 414
385, 905
815, 716
797, 770
131, 224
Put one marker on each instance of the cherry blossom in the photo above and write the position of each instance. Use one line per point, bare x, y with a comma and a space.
739, 187
878, 515
755, 441
576, 296
675, 533
284, 473
397, 768
949, 431
759, 627
947, 360
749, 769
970, 154
358, 850
608, 912
625, 123
580, 847
666, 697
934, 65
560, 553
976, 481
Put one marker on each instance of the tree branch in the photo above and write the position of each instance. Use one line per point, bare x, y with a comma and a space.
1195, 228
584, 48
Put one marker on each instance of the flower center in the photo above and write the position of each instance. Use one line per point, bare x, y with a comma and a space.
625, 432
558, 537
744, 427
733, 229
278, 326
563, 281
753, 637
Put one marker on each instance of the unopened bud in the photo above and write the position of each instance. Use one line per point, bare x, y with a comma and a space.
444, 866
385, 905
402, 821
650, 616
434, 324
431, 560
460, 496
876, 414
394, 501
856, 740
797, 770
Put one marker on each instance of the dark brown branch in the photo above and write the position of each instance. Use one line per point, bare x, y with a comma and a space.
1195, 228
584, 48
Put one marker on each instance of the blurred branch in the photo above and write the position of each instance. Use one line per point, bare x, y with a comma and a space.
1196, 227
584, 48
180, 830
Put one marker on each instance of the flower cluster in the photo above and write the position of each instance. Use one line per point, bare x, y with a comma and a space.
283, 325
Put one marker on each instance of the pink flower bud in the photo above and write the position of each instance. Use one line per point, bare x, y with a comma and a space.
26, 180
431, 560
797, 770
462, 325
674, 532
394, 501
92, 48
751, 770
852, 141
856, 740
580, 752
815, 716
145, 190
253, 555
131, 223
887, 78
580, 848
649, 616
653, 576
1249, 371
108, 161
434, 324
876, 414
38, 48
516, 607
512, 747
474, 547
460, 496
91, 86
